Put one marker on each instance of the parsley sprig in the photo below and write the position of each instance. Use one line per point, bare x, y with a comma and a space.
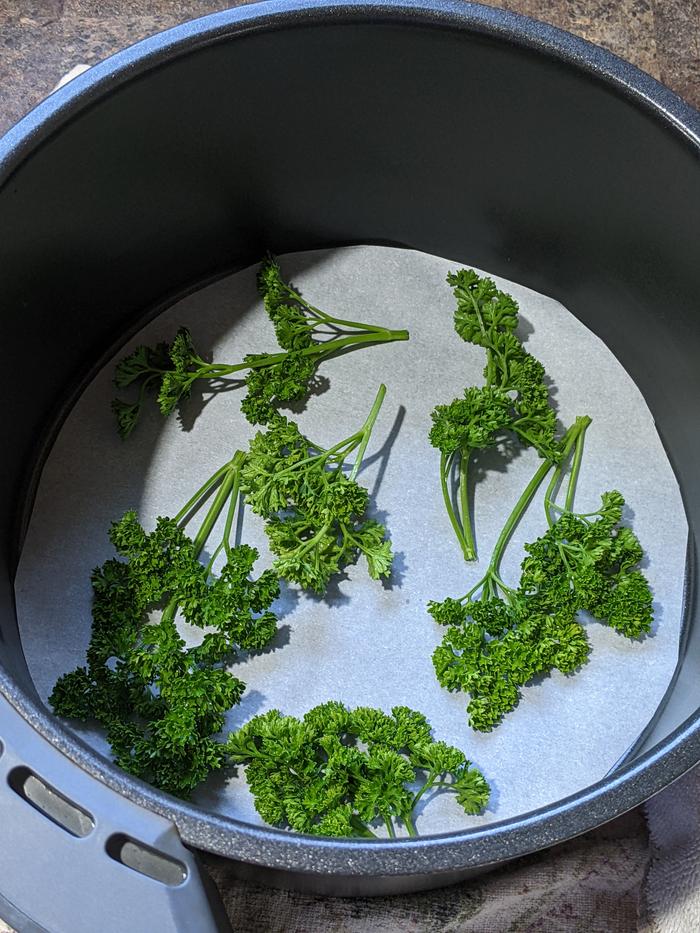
307, 337
514, 397
337, 771
499, 638
161, 702
315, 513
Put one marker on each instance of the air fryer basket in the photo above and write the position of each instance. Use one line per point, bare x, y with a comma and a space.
456, 129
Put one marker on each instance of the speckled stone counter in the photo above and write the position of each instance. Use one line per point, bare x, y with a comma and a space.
593, 883
42, 39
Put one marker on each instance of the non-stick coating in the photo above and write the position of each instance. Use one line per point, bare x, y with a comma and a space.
451, 128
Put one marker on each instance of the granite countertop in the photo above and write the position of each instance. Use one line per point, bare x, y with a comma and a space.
40, 40
593, 882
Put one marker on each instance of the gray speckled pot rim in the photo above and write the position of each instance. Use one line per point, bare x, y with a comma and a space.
476, 848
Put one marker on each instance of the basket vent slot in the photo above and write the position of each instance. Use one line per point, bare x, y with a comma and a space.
146, 861
47, 800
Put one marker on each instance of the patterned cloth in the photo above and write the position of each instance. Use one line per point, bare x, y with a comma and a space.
593, 883
673, 883
640, 873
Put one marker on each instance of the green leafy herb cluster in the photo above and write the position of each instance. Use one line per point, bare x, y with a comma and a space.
307, 337
514, 397
161, 702
499, 638
337, 772
315, 514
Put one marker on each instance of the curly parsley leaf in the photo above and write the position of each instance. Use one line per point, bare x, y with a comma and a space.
338, 772
161, 702
314, 512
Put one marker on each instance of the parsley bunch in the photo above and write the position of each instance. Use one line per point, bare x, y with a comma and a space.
499, 638
315, 513
514, 398
307, 336
336, 772
160, 702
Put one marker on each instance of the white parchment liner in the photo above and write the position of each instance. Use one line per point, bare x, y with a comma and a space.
368, 643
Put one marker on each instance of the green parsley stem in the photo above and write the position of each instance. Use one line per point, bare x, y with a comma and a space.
548, 503
340, 322
361, 829
410, 825
490, 366
344, 448
145, 386
575, 469
308, 545
328, 318
477, 311
569, 439
212, 560
429, 783
236, 463
583, 515
445, 466
229, 481
524, 434
168, 615
581, 424
366, 429
316, 349
468, 534
200, 492
491, 350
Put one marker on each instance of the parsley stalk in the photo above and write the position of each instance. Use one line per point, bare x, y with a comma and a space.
228, 491
365, 432
314, 512
549, 503
491, 583
161, 702
324, 350
500, 637
339, 771
307, 337
514, 397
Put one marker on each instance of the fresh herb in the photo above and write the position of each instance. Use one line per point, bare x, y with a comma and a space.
315, 514
337, 772
306, 335
499, 638
160, 702
514, 398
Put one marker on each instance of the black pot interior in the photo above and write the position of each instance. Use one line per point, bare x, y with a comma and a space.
453, 142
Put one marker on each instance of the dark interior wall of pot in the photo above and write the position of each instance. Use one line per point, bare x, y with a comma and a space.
449, 142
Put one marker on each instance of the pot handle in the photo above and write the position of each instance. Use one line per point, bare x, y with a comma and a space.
76, 856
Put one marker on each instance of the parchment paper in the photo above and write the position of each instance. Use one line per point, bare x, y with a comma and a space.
368, 643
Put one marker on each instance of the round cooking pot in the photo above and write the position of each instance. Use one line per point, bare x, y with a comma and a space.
452, 128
